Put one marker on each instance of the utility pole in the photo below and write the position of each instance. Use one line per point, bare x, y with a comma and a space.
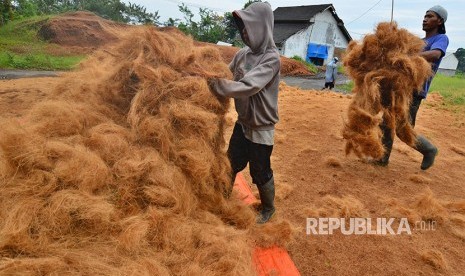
392, 11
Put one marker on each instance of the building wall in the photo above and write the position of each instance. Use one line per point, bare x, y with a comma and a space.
296, 45
449, 62
447, 72
324, 31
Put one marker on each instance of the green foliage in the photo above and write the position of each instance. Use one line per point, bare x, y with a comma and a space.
311, 67
460, 54
298, 59
110, 9
346, 87
26, 8
232, 33
138, 14
172, 22
250, 2
6, 11
210, 28
452, 89
21, 49
38, 61
22, 33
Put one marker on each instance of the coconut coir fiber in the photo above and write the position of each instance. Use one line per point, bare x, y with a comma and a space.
122, 170
386, 70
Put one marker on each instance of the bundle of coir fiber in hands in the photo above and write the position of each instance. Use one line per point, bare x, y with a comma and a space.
386, 69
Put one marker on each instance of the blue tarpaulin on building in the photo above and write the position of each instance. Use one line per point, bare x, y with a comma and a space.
317, 51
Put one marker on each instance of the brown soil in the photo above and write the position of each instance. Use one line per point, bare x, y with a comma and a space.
309, 158
315, 179
80, 32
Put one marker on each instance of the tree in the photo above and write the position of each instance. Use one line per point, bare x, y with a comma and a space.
48, 6
172, 22
231, 28
6, 11
110, 9
210, 28
138, 14
460, 54
25, 8
250, 2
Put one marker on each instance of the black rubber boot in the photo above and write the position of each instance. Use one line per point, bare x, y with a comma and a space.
384, 161
387, 143
428, 150
266, 192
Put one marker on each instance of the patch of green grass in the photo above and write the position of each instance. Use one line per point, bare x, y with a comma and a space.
22, 34
38, 61
21, 48
346, 87
452, 89
311, 67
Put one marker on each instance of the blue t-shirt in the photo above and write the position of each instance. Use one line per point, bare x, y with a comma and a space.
436, 42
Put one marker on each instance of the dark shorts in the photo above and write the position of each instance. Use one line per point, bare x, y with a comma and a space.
242, 151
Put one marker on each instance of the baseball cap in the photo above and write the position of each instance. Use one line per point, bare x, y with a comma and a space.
441, 12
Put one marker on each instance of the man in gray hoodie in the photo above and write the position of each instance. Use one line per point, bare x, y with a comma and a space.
254, 89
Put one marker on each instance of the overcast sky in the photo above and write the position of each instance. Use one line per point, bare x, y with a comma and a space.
359, 16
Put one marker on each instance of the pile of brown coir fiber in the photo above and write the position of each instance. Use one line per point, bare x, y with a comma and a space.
386, 70
122, 170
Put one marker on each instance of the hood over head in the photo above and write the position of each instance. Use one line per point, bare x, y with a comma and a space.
258, 20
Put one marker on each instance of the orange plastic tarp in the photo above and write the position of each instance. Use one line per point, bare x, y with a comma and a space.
268, 261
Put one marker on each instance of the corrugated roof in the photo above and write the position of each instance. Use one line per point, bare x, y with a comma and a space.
288, 20
298, 13
283, 31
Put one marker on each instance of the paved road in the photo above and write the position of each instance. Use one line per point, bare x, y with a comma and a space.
16, 74
314, 82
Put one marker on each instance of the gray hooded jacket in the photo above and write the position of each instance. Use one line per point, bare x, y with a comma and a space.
256, 71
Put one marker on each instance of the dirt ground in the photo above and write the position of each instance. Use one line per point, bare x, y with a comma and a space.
309, 157
313, 175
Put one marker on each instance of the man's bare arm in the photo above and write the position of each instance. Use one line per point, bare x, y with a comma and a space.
431, 55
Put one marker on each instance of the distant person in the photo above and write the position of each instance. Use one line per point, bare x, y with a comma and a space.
436, 45
331, 73
255, 92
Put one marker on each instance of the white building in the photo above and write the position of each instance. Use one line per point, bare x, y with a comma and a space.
315, 33
448, 64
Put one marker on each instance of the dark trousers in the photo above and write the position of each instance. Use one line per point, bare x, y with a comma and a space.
242, 151
329, 85
388, 139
